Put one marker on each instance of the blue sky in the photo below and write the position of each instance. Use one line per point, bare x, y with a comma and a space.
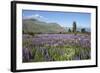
64, 19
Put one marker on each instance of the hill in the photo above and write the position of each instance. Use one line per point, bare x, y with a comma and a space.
36, 26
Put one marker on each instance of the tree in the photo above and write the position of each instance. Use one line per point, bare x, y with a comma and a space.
69, 30
83, 30
74, 26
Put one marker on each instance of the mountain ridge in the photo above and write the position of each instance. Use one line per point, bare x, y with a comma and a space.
36, 26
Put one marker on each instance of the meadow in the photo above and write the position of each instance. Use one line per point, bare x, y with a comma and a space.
56, 47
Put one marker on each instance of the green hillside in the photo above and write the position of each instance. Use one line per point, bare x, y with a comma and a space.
36, 26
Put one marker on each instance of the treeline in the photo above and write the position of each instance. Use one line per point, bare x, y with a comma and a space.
74, 29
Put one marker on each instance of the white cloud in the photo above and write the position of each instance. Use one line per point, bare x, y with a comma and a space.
35, 16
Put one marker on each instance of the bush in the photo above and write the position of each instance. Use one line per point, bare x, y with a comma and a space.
31, 33
83, 30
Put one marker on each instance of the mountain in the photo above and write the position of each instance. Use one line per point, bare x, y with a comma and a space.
36, 26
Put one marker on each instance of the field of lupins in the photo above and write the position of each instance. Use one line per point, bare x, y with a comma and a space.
56, 47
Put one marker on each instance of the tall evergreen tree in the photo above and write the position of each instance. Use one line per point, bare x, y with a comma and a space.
74, 26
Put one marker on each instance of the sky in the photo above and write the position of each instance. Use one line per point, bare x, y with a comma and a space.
64, 19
